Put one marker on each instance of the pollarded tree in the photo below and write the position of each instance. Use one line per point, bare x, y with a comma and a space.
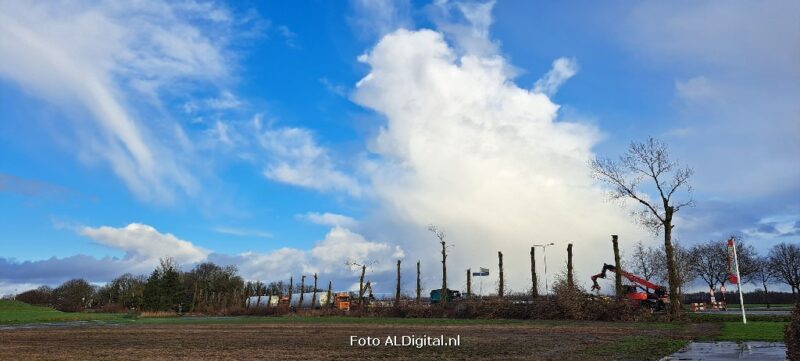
440, 235
650, 161
352, 264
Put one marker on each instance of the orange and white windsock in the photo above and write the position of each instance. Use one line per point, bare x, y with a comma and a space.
732, 264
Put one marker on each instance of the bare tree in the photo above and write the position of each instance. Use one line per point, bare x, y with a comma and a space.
709, 263
785, 260
764, 275
440, 235
650, 160
643, 261
683, 262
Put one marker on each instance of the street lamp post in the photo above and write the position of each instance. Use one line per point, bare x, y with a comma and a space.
544, 250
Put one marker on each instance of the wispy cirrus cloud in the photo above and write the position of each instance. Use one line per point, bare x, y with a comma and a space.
242, 232
374, 18
110, 62
562, 70
329, 219
31, 187
295, 158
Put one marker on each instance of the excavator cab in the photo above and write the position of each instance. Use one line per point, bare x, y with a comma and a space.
342, 301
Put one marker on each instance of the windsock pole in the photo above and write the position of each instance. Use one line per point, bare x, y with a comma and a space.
738, 279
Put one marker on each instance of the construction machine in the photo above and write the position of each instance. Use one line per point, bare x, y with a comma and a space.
452, 295
639, 292
342, 301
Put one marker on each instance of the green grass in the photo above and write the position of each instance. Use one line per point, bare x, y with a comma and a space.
638, 348
15, 312
718, 317
752, 331
764, 305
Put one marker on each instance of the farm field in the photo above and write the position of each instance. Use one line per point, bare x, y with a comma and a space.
311, 338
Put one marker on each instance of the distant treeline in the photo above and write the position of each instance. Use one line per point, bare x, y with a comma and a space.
207, 288
757, 296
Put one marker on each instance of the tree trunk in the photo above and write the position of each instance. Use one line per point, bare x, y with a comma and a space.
500, 264
397, 292
469, 283
534, 281
291, 284
314, 294
444, 293
361, 286
419, 286
618, 265
570, 280
672, 272
194, 298
766, 295
302, 289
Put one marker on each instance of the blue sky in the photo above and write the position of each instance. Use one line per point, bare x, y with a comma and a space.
290, 137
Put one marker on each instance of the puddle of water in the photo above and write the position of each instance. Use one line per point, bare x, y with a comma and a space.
717, 351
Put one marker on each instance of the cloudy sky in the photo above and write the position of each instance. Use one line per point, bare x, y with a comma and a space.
289, 137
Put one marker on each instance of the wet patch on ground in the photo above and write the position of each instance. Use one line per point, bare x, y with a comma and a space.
718, 351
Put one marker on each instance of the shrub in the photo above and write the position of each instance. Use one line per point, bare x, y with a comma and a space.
792, 335
41, 296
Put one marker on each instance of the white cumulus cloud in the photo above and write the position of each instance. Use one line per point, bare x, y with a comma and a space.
467, 149
145, 244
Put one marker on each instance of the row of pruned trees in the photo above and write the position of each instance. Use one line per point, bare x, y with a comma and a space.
708, 262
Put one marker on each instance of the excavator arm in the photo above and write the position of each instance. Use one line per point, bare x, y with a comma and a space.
633, 278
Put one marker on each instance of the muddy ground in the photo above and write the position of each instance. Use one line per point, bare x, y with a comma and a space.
287, 341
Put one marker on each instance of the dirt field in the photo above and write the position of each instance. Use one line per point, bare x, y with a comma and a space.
539, 341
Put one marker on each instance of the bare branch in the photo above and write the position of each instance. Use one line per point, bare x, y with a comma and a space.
608, 171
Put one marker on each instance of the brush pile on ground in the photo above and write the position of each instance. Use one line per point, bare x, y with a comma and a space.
792, 335
567, 303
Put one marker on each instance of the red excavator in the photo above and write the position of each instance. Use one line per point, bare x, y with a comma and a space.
640, 291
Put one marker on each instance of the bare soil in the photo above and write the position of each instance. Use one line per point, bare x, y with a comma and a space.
309, 341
